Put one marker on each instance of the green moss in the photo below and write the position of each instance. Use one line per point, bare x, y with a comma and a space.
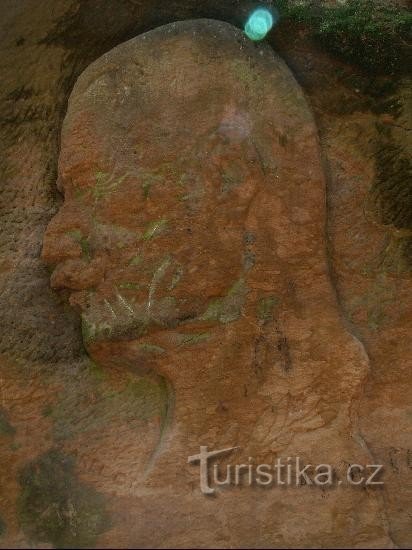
130, 286
55, 507
213, 310
5, 427
193, 339
371, 33
166, 172
105, 184
230, 179
154, 228
178, 274
266, 307
150, 348
76, 234
144, 391
83, 241
302, 12
239, 288
89, 330
229, 308
136, 260
149, 180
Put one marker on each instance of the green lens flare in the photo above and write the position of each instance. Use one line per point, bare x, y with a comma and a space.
259, 24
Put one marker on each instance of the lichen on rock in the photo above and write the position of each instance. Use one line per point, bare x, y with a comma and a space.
55, 507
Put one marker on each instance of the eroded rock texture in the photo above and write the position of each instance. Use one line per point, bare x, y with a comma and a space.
192, 237
193, 241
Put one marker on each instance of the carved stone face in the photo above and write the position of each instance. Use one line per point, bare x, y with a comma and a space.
186, 196
192, 240
158, 166
192, 236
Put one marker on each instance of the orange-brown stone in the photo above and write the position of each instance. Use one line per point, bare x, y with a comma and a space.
192, 158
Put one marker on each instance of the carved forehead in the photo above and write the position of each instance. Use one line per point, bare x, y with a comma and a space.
178, 60
193, 79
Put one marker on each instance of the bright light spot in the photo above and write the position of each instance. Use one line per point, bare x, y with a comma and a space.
259, 24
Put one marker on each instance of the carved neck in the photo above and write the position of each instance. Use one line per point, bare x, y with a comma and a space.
215, 400
214, 396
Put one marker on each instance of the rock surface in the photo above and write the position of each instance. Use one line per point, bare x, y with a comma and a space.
194, 190
51, 397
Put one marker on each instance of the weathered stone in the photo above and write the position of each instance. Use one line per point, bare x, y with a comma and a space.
187, 150
49, 399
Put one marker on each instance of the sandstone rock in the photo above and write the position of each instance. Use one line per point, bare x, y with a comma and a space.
88, 411
368, 263
194, 157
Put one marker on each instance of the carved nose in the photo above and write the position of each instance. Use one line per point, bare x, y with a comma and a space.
77, 274
65, 238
